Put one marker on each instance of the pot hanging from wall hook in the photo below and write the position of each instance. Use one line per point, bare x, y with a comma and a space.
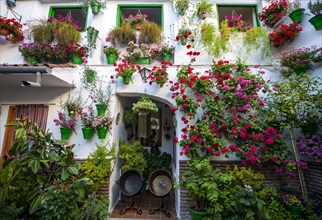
10, 5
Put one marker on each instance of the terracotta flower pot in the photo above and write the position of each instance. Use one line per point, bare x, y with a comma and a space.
138, 26
4, 32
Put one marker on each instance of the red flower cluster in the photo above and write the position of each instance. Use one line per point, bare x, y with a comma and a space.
272, 13
78, 49
159, 75
284, 33
13, 27
126, 69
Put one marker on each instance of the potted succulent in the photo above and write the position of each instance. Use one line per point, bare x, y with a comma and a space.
102, 123
12, 29
150, 33
136, 21
30, 51
126, 70
87, 119
122, 35
96, 5
183, 35
284, 34
316, 9
166, 52
144, 106
77, 52
111, 53
273, 12
204, 9
181, 6
297, 12
66, 125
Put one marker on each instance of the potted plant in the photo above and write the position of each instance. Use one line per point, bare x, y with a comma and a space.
30, 51
102, 123
296, 60
181, 6
183, 35
125, 70
204, 9
297, 12
111, 53
273, 12
91, 36
166, 52
89, 75
41, 31
96, 5
136, 21
72, 105
144, 106
87, 119
129, 118
12, 29
159, 75
234, 22
77, 52
139, 54
316, 9
122, 35
284, 34
101, 95
66, 125
150, 33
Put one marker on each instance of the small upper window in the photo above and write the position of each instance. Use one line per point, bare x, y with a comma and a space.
249, 13
76, 12
154, 12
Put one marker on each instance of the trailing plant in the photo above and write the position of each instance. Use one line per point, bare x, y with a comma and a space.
14, 27
132, 156
182, 6
41, 31
159, 75
91, 36
89, 77
122, 35
214, 43
65, 29
130, 117
150, 33
144, 103
257, 39
204, 5
315, 7
98, 165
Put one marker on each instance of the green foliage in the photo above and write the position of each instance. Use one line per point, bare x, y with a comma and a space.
182, 6
98, 164
94, 208
204, 5
112, 51
132, 156
150, 33
215, 44
91, 36
122, 35
130, 117
257, 39
41, 31
315, 7
144, 103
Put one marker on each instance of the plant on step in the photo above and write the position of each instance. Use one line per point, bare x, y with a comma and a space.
145, 103
132, 156
150, 33
14, 29
284, 34
159, 74
48, 171
273, 12
122, 35
98, 165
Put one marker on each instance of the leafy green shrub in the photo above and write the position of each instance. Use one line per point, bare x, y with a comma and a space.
132, 156
95, 208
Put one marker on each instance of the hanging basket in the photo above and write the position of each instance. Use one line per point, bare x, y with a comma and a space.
144, 112
111, 59
203, 14
137, 26
4, 32
96, 8
77, 59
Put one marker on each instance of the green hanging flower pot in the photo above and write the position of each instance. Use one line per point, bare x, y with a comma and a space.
126, 79
32, 59
96, 7
142, 60
65, 133
87, 133
77, 59
297, 15
316, 21
101, 132
101, 108
166, 58
111, 59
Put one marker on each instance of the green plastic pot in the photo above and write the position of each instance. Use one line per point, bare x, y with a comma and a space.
316, 21
183, 40
196, 215
101, 132
96, 7
101, 108
77, 59
111, 59
87, 133
142, 60
32, 59
297, 15
90, 77
65, 133
126, 79
166, 58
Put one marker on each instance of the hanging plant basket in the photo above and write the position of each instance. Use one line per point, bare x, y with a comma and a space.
144, 112
111, 59
77, 59
297, 15
65, 133
203, 14
96, 7
316, 21
4, 32
138, 26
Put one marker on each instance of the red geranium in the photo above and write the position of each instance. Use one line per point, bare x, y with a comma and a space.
14, 27
272, 13
284, 33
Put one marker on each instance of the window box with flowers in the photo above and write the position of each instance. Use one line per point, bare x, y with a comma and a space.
136, 21
11, 29
30, 51
140, 54
166, 52
316, 10
274, 12
284, 34
159, 75
297, 60
111, 53
125, 70
77, 52
102, 124
87, 119
67, 126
